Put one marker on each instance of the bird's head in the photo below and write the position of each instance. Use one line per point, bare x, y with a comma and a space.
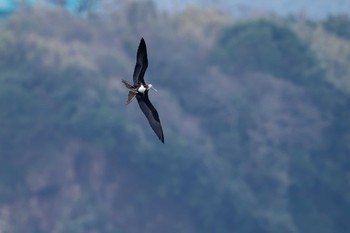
151, 87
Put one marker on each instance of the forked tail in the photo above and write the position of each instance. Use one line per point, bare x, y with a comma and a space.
129, 86
132, 91
131, 96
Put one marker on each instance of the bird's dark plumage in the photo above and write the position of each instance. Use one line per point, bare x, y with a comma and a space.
142, 96
141, 63
151, 114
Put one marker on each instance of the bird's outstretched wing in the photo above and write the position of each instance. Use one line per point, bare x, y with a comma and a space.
141, 63
151, 114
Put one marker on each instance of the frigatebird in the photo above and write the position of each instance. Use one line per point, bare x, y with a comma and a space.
140, 90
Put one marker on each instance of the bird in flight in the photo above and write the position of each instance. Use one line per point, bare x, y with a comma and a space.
140, 91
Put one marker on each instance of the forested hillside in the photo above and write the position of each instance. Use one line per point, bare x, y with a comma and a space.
256, 117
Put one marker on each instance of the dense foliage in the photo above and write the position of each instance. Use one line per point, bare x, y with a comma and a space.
255, 115
265, 46
339, 25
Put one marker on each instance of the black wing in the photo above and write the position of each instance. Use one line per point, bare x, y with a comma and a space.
141, 63
151, 114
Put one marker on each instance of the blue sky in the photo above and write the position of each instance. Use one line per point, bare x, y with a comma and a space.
10, 5
311, 8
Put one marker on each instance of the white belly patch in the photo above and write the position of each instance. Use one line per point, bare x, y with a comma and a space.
141, 89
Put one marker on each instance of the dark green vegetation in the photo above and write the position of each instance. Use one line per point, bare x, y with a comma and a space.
339, 25
257, 129
264, 46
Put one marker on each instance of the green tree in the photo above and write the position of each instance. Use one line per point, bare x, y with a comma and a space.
338, 25
265, 46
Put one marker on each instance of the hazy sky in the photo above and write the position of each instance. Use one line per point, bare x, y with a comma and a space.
311, 8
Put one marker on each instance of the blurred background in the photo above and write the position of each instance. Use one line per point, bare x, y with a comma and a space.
254, 100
